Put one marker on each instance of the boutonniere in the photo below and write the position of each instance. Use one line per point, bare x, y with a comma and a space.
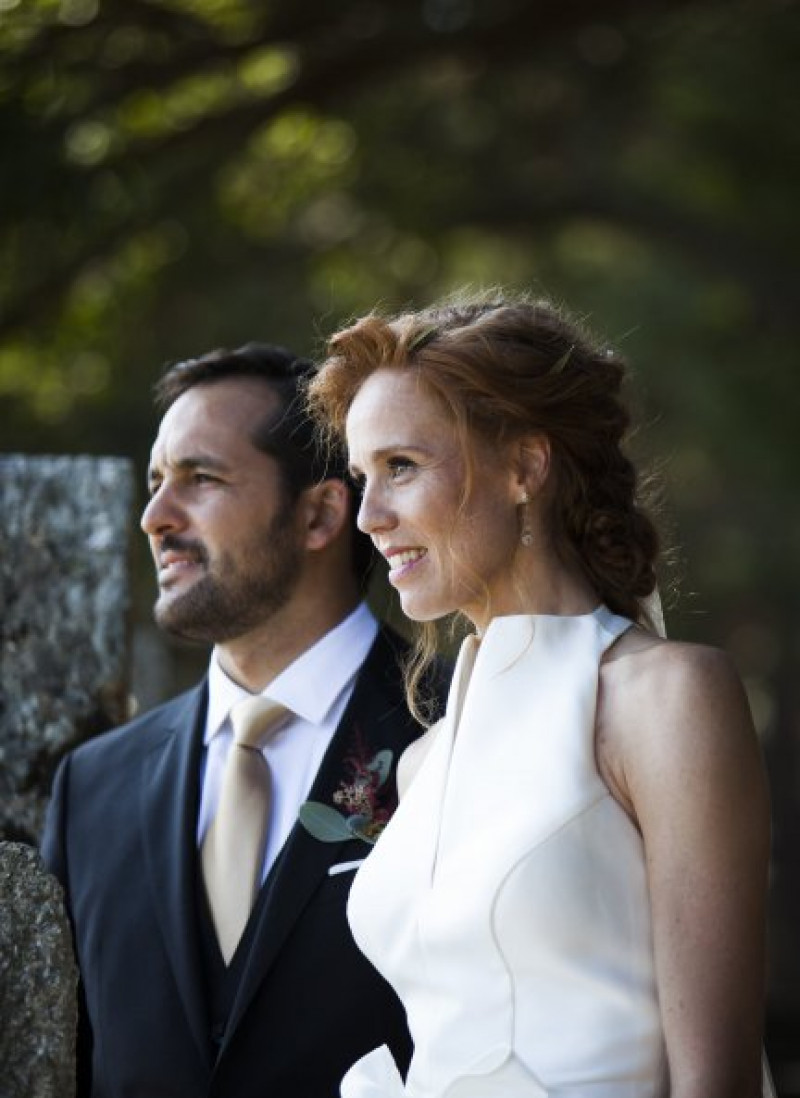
363, 802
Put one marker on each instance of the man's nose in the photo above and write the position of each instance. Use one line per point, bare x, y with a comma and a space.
161, 513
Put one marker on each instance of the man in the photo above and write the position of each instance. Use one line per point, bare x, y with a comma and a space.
256, 552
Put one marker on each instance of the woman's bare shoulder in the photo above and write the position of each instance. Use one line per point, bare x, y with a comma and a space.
664, 702
642, 663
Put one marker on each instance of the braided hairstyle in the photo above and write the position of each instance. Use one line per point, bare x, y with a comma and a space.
510, 366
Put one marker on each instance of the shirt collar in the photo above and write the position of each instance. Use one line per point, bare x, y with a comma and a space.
311, 684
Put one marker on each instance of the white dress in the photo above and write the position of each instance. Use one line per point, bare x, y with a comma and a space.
507, 900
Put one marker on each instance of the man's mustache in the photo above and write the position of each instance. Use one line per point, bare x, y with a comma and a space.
176, 544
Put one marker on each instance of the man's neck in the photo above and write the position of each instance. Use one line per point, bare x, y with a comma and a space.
259, 656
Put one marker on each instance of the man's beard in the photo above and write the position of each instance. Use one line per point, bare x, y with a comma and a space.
239, 595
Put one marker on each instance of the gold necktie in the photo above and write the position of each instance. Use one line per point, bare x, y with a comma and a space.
233, 850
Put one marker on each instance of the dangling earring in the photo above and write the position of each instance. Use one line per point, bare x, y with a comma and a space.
526, 529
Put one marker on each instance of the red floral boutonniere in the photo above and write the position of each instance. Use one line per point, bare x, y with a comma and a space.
364, 804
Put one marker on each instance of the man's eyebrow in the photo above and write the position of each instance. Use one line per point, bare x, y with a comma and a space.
188, 464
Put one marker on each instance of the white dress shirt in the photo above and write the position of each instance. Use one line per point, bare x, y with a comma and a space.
316, 689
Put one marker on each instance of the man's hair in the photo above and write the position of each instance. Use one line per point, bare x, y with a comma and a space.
287, 434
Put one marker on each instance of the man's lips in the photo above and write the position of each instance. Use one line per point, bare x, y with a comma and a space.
173, 561
173, 557
172, 566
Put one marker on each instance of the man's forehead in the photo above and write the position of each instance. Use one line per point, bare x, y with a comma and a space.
217, 415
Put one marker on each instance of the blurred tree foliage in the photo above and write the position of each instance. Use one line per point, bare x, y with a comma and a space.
183, 174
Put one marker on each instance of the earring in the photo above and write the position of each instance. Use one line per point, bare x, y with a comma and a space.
526, 529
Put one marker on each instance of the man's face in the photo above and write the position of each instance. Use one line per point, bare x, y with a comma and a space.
226, 542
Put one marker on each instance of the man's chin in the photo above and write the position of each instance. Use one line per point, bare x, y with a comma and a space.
174, 619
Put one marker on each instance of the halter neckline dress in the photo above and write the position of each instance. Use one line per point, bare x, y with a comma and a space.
507, 899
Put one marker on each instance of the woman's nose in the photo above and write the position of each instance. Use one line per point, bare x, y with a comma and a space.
373, 515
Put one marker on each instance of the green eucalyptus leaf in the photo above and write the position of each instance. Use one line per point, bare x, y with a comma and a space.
323, 822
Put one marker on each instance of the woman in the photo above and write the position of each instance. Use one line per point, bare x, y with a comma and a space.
570, 898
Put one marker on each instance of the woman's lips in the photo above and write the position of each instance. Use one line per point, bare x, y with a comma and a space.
402, 560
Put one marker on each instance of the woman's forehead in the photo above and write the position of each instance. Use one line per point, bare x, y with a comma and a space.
395, 398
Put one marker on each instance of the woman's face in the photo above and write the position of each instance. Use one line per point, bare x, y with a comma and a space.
444, 553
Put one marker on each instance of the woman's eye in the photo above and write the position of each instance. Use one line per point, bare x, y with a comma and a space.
399, 465
357, 482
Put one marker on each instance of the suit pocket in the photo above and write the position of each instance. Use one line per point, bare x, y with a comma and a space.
345, 867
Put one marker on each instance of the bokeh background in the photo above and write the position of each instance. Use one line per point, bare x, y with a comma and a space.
177, 175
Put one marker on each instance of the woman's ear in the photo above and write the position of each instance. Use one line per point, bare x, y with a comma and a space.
532, 465
325, 513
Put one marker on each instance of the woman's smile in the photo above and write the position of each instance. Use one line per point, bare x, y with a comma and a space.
402, 561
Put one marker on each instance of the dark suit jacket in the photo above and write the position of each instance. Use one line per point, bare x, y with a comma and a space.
120, 836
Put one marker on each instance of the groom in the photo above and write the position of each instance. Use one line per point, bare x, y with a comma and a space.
256, 554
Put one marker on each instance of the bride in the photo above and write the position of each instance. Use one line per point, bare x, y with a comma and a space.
570, 898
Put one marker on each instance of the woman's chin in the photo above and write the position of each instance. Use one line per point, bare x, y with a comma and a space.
422, 610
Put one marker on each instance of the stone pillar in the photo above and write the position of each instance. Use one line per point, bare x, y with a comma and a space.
65, 527
38, 980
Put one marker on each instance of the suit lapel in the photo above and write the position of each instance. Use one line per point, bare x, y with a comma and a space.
376, 718
169, 806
